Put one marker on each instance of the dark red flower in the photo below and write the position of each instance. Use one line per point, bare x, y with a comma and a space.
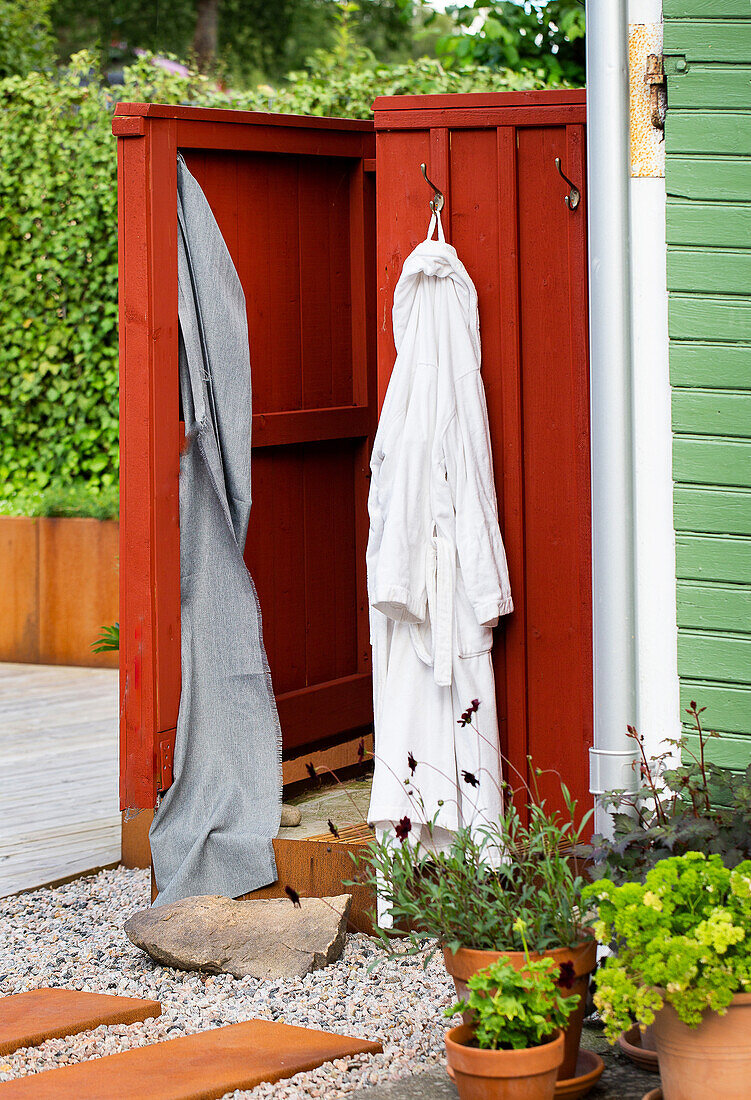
466, 718
403, 828
411, 762
293, 896
310, 769
471, 778
567, 975
333, 829
361, 749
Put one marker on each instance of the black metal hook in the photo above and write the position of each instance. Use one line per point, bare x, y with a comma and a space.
436, 203
573, 198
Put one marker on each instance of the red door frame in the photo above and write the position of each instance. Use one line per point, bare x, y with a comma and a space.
543, 669
493, 156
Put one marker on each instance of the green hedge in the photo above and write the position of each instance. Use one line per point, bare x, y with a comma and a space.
58, 241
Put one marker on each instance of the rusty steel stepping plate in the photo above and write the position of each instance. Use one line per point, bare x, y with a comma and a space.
27, 1019
193, 1067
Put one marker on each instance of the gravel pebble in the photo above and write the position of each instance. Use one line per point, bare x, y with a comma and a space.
73, 936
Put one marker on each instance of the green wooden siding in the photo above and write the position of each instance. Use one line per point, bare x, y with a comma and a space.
708, 181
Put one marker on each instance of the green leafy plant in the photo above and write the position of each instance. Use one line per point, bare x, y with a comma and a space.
515, 1009
79, 500
683, 936
472, 892
108, 640
676, 809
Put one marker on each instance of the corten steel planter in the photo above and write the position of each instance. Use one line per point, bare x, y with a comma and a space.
466, 962
710, 1061
58, 588
528, 1074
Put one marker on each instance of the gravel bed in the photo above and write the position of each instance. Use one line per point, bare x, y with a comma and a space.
73, 936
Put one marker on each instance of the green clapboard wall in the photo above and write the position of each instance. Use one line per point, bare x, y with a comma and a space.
708, 176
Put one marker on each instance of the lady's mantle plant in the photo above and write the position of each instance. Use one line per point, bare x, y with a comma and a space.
682, 937
516, 1009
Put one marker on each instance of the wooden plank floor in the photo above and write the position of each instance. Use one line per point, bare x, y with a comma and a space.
59, 812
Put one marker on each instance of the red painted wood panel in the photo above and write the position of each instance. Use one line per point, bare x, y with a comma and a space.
298, 219
555, 432
526, 252
149, 533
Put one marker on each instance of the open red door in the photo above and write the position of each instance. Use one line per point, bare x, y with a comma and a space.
295, 203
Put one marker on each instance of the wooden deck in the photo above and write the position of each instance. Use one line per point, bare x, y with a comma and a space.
59, 812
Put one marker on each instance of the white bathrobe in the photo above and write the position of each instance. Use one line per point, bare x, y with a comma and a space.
437, 573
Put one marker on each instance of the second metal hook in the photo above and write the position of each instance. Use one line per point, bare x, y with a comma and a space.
436, 203
573, 198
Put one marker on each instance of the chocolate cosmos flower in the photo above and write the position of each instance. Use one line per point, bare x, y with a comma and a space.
333, 829
567, 975
293, 896
471, 778
412, 763
402, 828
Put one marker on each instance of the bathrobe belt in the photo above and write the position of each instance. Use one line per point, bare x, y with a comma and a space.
440, 581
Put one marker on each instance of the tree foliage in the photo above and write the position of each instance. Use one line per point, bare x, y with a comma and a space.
255, 39
26, 40
524, 35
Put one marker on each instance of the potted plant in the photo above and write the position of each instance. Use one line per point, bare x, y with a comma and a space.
465, 896
514, 1045
683, 963
684, 802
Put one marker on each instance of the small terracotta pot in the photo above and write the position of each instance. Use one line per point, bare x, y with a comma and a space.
709, 1061
528, 1074
467, 961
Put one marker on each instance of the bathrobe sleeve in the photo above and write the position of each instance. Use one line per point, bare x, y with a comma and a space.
479, 545
399, 508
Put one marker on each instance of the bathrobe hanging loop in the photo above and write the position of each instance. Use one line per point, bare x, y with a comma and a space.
435, 223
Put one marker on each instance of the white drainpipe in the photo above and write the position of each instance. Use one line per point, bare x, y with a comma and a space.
613, 542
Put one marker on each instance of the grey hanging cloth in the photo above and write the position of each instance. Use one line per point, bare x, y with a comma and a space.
213, 829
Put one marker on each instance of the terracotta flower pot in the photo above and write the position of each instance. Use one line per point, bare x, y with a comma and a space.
710, 1061
466, 962
528, 1074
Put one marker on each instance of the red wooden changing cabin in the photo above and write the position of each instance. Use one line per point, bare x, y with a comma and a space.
319, 215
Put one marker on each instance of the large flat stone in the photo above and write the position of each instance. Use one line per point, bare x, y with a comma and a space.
266, 938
